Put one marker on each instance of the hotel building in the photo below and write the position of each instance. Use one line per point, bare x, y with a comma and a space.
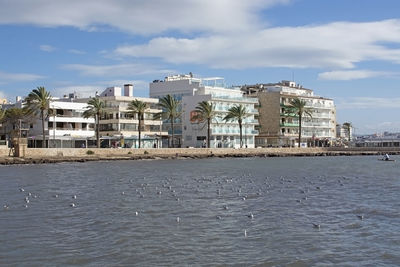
191, 91
278, 128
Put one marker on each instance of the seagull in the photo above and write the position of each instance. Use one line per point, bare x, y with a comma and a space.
361, 217
136, 213
74, 196
72, 205
56, 196
251, 216
218, 217
225, 207
318, 226
245, 233
6, 207
21, 189
178, 219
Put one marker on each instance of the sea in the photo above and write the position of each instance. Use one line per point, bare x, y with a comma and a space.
282, 211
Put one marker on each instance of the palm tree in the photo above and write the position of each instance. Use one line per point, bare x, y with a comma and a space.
206, 112
298, 107
170, 111
348, 126
138, 107
2, 115
95, 109
38, 101
239, 113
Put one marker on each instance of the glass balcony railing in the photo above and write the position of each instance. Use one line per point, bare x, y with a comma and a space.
287, 124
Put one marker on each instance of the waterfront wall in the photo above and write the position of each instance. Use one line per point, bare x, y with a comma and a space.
200, 152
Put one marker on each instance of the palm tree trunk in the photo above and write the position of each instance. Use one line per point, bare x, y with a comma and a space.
140, 129
172, 126
299, 130
44, 135
208, 133
98, 130
240, 130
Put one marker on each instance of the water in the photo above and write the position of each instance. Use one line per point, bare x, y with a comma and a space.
213, 199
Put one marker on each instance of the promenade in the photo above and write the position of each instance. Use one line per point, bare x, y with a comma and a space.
55, 155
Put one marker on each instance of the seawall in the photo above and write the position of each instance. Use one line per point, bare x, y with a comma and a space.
52, 155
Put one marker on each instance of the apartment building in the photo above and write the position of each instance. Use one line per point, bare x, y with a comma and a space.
118, 128
344, 132
191, 91
279, 128
64, 126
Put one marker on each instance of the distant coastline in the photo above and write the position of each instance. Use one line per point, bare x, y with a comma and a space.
42, 156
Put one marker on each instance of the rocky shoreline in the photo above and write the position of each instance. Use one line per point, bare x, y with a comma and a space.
60, 159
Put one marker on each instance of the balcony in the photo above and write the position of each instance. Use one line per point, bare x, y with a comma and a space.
289, 115
287, 124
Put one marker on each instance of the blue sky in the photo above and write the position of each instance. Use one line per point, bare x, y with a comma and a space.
345, 50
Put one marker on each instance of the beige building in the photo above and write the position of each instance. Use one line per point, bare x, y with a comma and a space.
278, 128
119, 128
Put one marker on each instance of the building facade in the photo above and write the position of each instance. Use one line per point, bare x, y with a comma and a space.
277, 127
64, 126
191, 91
118, 128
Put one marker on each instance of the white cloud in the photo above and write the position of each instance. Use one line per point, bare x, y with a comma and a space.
117, 70
346, 75
6, 77
138, 16
367, 103
77, 52
337, 45
47, 48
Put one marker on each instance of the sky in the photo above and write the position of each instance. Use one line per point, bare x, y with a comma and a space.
345, 50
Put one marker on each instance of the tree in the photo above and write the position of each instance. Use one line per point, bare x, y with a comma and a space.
95, 110
348, 126
239, 113
2, 115
205, 111
38, 101
170, 111
138, 107
14, 117
298, 107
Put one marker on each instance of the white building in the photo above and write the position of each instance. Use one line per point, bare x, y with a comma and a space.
119, 128
191, 91
65, 126
343, 132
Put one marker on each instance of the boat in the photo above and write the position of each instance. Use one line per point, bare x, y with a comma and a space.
387, 159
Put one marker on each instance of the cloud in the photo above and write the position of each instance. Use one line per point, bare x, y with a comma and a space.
47, 48
117, 70
368, 103
338, 45
77, 52
6, 77
138, 16
346, 75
